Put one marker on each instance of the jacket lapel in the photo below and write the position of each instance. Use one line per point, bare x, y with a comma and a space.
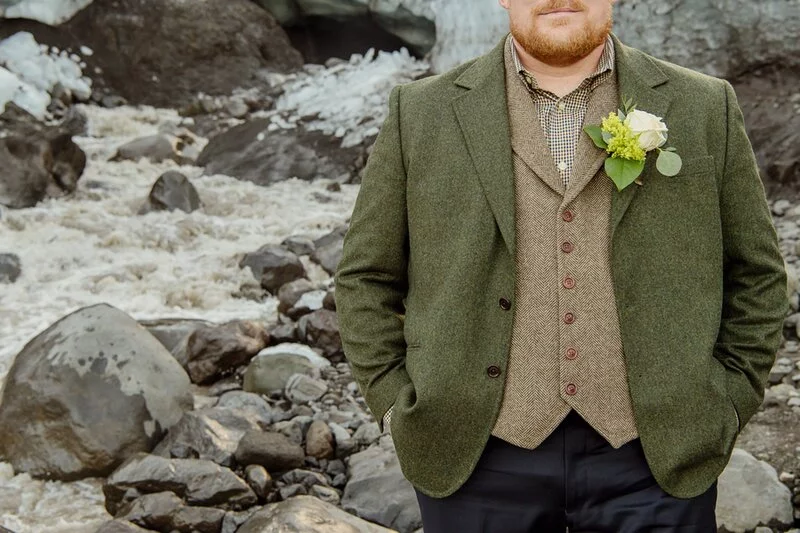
483, 118
638, 77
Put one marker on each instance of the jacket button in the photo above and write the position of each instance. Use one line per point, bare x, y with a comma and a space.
493, 371
572, 354
567, 247
569, 283
567, 216
569, 318
505, 304
571, 389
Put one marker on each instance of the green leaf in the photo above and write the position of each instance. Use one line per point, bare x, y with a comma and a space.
670, 149
622, 115
596, 133
607, 136
623, 172
669, 163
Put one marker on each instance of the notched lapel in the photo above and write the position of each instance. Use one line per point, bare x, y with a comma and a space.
638, 79
483, 119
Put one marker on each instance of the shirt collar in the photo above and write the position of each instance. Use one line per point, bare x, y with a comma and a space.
606, 64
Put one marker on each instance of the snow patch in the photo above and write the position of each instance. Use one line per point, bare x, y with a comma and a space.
51, 12
347, 100
35, 71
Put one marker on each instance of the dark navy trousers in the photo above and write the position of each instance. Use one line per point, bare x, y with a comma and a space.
574, 481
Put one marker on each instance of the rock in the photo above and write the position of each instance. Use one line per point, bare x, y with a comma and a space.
152, 510
10, 268
319, 440
298, 349
309, 515
251, 405
234, 519
251, 152
198, 482
156, 148
267, 374
174, 334
53, 13
163, 52
138, 391
290, 293
284, 333
117, 526
329, 302
301, 388
779, 395
321, 330
750, 494
298, 245
328, 250
271, 450
377, 490
172, 191
367, 433
215, 350
326, 494
210, 434
38, 166
273, 266
259, 480
191, 519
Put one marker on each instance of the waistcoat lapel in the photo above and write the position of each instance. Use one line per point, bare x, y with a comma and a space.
527, 136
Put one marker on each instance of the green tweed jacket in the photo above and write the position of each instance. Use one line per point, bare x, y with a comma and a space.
428, 272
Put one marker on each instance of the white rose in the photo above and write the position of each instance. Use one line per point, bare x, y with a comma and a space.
651, 129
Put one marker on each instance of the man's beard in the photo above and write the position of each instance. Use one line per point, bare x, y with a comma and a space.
557, 52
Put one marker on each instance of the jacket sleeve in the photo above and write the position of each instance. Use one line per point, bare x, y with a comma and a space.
371, 280
755, 301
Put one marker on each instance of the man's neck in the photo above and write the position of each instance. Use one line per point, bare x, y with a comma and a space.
560, 80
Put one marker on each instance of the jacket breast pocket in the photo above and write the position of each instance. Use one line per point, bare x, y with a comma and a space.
695, 166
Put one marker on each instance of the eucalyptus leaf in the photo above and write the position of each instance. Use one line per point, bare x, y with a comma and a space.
623, 172
596, 133
622, 115
669, 163
670, 149
607, 136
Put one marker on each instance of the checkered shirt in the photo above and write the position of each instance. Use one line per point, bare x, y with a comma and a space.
562, 118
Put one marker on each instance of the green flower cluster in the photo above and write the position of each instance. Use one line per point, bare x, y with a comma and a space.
623, 143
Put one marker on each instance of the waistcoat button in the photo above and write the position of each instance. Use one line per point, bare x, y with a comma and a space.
493, 371
569, 283
567, 247
571, 389
567, 216
569, 318
572, 354
505, 304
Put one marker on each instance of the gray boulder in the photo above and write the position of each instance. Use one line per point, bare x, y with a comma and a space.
251, 152
117, 526
211, 434
271, 450
320, 329
172, 191
273, 266
197, 482
164, 511
750, 494
309, 515
267, 374
137, 392
377, 490
156, 148
214, 350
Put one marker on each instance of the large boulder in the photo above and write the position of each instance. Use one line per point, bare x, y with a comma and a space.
309, 515
253, 152
163, 52
378, 491
88, 392
750, 495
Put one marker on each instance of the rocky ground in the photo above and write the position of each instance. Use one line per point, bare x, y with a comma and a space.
168, 300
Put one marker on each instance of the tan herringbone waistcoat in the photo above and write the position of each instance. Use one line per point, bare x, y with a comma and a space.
566, 350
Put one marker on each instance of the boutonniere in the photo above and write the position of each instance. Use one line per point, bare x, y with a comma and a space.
628, 136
